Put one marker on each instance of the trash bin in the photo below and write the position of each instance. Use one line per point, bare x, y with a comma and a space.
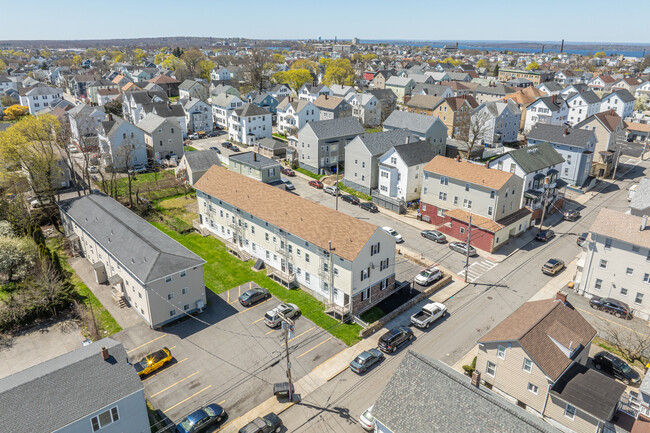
281, 390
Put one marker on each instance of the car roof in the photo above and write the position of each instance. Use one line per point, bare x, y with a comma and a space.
197, 416
553, 261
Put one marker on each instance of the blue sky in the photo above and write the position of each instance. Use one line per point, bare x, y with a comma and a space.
573, 20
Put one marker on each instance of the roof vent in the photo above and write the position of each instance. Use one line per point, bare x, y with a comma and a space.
145, 259
644, 222
132, 260
105, 354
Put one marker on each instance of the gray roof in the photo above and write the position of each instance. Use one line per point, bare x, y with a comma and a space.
272, 143
624, 94
553, 103
557, 134
223, 100
498, 89
418, 123
551, 86
399, 81
379, 143
201, 160
383, 94
146, 252
340, 127
297, 104
188, 84
589, 96
589, 390
641, 198
425, 395
416, 153
55, 393
535, 157
152, 121
164, 109
250, 110
254, 159
431, 89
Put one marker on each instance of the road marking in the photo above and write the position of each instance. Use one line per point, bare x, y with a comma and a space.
239, 289
477, 269
228, 296
261, 318
183, 401
148, 342
173, 347
608, 320
221, 402
166, 369
236, 300
272, 330
254, 306
299, 335
323, 342
173, 384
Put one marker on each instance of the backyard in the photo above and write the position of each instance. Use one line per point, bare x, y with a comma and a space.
152, 186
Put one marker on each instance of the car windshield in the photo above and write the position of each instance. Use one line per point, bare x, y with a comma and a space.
269, 316
425, 274
209, 411
392, 232
143, 363
246, 295
359, 360
368, 415
624, 367
187, 425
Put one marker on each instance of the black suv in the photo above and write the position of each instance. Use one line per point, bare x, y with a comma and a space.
390, 341
545, 235
268, 423
615, 366
351, 199
611, 306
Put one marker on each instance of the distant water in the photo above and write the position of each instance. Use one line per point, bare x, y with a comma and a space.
549, 48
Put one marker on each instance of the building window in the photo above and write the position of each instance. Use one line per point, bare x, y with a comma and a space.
635, 248
307, 277
608, 243
442, 196
528, 365
467, 187
603, 264
186, 307
444, 180
307, 257
493, 194
183, 274
599, 284
639, 298
168, 279
172, 313
170, 296
501, 352
490, 210
184, 291
623, 291
570, 411
105, 418
462, 230
533, 388
491, 369
629, 271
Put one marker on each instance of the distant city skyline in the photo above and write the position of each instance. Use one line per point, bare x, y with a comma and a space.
470, 20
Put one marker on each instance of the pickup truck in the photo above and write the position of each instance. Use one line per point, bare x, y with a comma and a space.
429, 314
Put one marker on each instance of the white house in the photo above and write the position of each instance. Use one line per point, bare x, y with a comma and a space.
582, 105
620, 101
220, 74
39, 98
342, 91
552, 110
280, 91
566, 77
292, 115
119, 139
249, 124
366, 108
643, 90
198, 116
400, 170
501, 120
550, 88
311, 92
222, 105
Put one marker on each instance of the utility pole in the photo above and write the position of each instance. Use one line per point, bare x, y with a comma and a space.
337, 182
469, 240
286, 324
618, 156
544, 199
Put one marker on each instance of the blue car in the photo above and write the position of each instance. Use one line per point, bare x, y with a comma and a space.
202, 419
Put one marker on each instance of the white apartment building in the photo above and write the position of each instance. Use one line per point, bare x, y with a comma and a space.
581, 106
347, 263
38, 98
292, 115
249, 124
621, 101
222, 106
552, 110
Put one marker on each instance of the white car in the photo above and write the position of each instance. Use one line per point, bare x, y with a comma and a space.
391, 231
428, 276
366, 419
272, 318
330, 189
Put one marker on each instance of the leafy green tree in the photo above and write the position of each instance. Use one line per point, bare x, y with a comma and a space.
482, 63
600, 54
17, 257
496, 71
310, 65
204, 68
76, 59
339, 71
278, 58
532, 66
192, 59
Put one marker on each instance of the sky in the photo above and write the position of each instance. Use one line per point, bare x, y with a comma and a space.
553, 20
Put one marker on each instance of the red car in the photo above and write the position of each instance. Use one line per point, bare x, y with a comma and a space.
316, 184
287, 172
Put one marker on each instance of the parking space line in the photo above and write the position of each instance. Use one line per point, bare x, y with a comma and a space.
228, 296
173, 384
272, 330
230, 303
142, 345
254, 306
166, 369
261, 318
221, 402
239, 288
173, 347
322, 342
183, 401
303, 333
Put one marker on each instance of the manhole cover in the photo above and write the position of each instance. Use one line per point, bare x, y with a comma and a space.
489, 297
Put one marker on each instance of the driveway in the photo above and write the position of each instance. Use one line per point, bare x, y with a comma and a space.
226, 355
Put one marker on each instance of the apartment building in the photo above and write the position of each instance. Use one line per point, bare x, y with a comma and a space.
146, 269
249, 124
537, 77
552, 110
38, 98
343, 261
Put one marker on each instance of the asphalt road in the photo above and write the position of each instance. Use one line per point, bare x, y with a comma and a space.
337, 405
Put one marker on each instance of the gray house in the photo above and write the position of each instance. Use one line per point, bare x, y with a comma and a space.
426, 128
91, 388
322, 144
255, 166
362, 157
193, 165
162, 136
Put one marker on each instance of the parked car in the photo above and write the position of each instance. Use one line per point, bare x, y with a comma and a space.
153, 362
391, 340
288, 185
582, 238
391, 231
369, 206
194, 136
461, 247
429, 314
316, 184
249, 297
434, 235
365, 360
272, 317
215, 148
202, 419
545, 235
235, 149
615, 366
611, 306
428, 276
212, 134
227, 144
266, 424
553, 266
287, 171
330, 189
351, 199
366, 419
571, 215
35, 203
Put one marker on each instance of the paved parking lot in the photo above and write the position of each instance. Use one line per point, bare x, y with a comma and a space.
227, 355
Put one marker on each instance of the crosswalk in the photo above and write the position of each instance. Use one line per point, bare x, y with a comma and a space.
477, 269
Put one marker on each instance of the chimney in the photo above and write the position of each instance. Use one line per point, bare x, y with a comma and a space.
559, 296
457, 158
110, 117
326, 97
566, 132
406, 140
105, 354
254, 156
644, 222
476, 378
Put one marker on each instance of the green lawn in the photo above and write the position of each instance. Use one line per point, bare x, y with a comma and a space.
349, 190
152, 186
280, 136
224, 271
309, 173
372, 315
189, 149
372, 130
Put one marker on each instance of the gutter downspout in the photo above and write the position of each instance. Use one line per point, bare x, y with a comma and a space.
548, 389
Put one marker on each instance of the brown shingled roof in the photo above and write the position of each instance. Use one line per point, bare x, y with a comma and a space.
466, 171
624, 227
457, 101
328, 102
164, 79
429, 102
308, 220
609, 119
477, 220
536, 324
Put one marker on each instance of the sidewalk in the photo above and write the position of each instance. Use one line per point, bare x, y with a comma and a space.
125, 317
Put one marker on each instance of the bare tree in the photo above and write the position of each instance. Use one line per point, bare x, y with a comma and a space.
473, 129
259, 67
632, 344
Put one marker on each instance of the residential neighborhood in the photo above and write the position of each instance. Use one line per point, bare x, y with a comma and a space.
324, 232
